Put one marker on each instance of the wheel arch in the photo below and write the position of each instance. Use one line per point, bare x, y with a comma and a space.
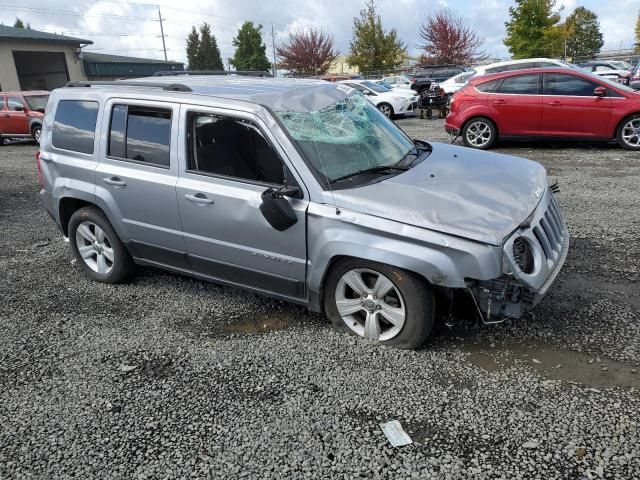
67, 206
479, 115
619, 124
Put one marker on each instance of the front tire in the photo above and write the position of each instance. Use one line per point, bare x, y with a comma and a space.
480, 133
382, 303
628, 134
386, 109
97, 248
35, 133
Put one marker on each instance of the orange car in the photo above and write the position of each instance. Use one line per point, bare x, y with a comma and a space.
21, 114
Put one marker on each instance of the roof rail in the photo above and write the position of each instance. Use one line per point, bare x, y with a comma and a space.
172, 87
244, 73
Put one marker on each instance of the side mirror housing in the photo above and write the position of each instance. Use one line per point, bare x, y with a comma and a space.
18, 108
599, 92
277, 210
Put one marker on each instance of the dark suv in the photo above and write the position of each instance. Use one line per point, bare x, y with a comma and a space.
440, 73
21, 114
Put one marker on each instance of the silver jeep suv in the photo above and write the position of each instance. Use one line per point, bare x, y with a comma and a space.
298, 189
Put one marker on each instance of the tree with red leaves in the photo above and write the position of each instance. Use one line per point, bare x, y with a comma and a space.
307, 52
447, 39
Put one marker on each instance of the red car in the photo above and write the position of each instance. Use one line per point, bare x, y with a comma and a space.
559, 103
21, 114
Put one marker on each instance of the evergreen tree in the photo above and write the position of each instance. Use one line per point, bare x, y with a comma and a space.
250, 51
193, 45
208, 52
372, 48
585, 38
20, 24
533, 30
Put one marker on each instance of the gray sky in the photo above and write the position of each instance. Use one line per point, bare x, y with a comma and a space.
132, 28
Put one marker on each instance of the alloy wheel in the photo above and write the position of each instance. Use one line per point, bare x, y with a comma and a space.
386, 110
95, 247
36, 135
370, 304
631, 133
478, 133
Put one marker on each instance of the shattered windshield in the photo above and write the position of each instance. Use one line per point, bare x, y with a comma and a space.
346, 137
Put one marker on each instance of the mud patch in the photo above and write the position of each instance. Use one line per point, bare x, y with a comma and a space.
258, 324
556, 364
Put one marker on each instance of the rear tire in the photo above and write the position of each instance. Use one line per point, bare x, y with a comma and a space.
479, 133
628, 134
386, 109
35, 133
97, 248
389, 305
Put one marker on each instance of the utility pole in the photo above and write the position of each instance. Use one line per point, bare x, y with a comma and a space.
164, 47
273, 46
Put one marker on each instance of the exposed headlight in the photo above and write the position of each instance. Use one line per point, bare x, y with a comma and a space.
400, 99
523, 254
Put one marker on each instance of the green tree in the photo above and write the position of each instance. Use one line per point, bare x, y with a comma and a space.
534, 29
193, 44
585, 38
637, 49
250, 52
371, 47
208, 53
20, 24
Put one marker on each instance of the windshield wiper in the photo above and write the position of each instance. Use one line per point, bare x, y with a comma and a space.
376, 169
419, 148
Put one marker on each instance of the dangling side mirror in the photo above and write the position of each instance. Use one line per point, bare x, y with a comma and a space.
277, 210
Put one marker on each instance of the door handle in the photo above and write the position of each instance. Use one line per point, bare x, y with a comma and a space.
499, 102
115, 181
199, 198
555, 103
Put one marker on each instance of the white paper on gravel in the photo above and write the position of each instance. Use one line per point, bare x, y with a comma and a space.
396, 434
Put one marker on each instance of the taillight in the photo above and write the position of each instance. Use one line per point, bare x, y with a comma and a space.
39, 168
413, 80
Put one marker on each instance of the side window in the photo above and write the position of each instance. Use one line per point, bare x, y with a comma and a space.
602, 68
464, 78
520, 84
547, 65
74, 125
492, 70
15, 104
142, 134
2, 99
563, 84
487, 87
232, 147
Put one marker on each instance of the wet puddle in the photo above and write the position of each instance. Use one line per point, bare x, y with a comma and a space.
557, 364
258, 324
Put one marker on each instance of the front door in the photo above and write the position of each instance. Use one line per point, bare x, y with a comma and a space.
229, 161
516, 105
571, 109
16, 120
137, 176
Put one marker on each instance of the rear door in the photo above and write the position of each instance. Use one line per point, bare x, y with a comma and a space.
137, 177
229, 160
516, 105
16, 120
571, 109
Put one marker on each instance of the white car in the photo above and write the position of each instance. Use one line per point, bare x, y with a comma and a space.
455, 83
398, 81
390, 102
520, 64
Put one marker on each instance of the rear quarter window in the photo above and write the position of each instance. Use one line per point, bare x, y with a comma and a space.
74, 125
487, 87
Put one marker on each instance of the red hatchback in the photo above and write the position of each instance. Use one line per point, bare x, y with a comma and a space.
559, 103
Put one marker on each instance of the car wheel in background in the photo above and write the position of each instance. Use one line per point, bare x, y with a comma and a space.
35, 133
379, 302
480, 133
629, 133
386, 109
97, 247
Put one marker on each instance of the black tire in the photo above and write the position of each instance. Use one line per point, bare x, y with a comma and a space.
620, 132
386, 109
36, 130
1, 141
474, 123
122, 266
418, 298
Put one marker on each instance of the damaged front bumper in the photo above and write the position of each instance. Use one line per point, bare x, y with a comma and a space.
518, 291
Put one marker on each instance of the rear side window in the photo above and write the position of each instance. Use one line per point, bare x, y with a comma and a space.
141, 134
74, 125
570, 85
487, 87
2, 99
520, 85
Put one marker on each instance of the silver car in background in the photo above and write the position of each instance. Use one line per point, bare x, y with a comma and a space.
298, 189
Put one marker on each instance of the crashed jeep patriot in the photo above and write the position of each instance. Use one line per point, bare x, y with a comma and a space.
298, 189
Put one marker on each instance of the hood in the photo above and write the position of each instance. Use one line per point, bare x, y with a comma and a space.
469, 193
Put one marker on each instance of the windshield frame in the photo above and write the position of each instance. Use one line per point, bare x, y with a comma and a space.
322, 181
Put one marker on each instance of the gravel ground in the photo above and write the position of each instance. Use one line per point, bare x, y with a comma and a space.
168, 377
